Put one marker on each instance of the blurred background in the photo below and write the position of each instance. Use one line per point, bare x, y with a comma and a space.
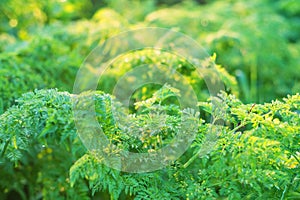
257, 41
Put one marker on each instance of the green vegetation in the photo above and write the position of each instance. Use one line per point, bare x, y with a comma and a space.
255, 153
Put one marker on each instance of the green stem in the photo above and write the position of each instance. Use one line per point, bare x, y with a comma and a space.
191, 159
4, 148
199, 151
296, 158
283, 193
238, 127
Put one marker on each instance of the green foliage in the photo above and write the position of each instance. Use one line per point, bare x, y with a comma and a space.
256, 156
17, 20
35, 65
51, 59
169, 65
38, 145
252, 39
254, 151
